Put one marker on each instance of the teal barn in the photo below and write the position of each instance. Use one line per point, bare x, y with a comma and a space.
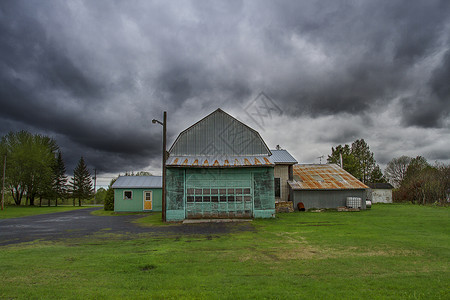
219, 168
138, 194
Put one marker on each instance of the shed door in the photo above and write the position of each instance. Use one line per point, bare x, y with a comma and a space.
219, 196
147, 200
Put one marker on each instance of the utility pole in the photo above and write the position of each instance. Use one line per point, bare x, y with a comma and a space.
95, 185
3, 184
320, 158
164, 168
164, 157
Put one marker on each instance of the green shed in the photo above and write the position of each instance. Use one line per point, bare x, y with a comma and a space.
138, 194
219, 168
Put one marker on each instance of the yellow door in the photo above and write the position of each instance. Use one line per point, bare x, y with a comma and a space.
147, 200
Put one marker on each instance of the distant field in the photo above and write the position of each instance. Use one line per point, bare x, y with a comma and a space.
23, 211
389, 252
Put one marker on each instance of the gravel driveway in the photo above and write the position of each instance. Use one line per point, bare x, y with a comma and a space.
80, 223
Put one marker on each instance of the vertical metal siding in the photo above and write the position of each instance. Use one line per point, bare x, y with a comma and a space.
219, 134
326, 199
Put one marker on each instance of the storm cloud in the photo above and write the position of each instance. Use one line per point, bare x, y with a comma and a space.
93, 74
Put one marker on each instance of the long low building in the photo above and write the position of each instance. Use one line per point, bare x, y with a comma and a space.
325, 186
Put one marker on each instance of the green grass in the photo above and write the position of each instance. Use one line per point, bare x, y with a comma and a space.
388, 252
23, 211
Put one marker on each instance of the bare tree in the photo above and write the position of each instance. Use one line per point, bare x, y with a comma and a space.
396, 169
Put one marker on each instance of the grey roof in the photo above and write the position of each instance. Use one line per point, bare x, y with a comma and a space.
129, 182
219, 134
282, 157
380, 185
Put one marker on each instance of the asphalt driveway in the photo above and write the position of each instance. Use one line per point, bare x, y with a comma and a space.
80, 223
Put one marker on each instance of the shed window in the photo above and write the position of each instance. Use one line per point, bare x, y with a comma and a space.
127, 195
277, 187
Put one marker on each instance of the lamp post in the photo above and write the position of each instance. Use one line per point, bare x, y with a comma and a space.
164, 157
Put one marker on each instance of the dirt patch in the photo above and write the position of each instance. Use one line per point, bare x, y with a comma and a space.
147, 267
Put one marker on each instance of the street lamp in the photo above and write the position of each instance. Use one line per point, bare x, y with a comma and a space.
164, 157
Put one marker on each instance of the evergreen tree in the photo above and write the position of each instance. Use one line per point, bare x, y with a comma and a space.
81, 183
109, 197
365, 161
358, 160
59, 179
348, 160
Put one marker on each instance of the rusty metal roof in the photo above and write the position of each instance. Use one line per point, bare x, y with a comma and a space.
219, 161
324, 177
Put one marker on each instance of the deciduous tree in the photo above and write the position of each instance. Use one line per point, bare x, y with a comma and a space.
396, 169
30, 162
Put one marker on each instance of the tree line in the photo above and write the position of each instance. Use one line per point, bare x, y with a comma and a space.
35, 169
414, 179
418, 181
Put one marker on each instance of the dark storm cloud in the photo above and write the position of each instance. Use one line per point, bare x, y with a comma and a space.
432, 109
373, 48
94, 73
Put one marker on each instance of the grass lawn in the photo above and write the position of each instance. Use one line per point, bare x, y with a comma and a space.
388, 252
23, 211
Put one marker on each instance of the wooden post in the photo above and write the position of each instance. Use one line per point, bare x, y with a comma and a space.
164, 157
3, 184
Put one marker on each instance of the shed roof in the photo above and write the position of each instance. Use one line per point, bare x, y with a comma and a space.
323, 177
128, 182
219, 134
282, 157
220, 161
380, 185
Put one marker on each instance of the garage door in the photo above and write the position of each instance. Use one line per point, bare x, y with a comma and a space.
219, 197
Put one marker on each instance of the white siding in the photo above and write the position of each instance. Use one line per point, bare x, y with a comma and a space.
381, 196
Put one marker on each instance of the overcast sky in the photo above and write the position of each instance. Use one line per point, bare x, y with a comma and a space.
93, 74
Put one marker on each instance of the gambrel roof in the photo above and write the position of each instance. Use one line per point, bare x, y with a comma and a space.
219, 134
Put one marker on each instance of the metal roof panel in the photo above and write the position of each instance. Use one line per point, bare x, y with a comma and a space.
330, 173
282, 157
128, 182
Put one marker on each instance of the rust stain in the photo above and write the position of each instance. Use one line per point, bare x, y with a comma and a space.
226, 163
257, 162
246, 162
206, 163
175, 161
216, 163
236, 162
306, 172
185, 162
195, 163
267, 161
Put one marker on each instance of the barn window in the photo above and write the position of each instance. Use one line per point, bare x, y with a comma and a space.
127, 195
277, 187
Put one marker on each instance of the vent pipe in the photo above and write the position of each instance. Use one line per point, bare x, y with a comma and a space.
340, 159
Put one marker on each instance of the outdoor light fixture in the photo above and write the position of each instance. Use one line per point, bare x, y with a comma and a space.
164, 157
